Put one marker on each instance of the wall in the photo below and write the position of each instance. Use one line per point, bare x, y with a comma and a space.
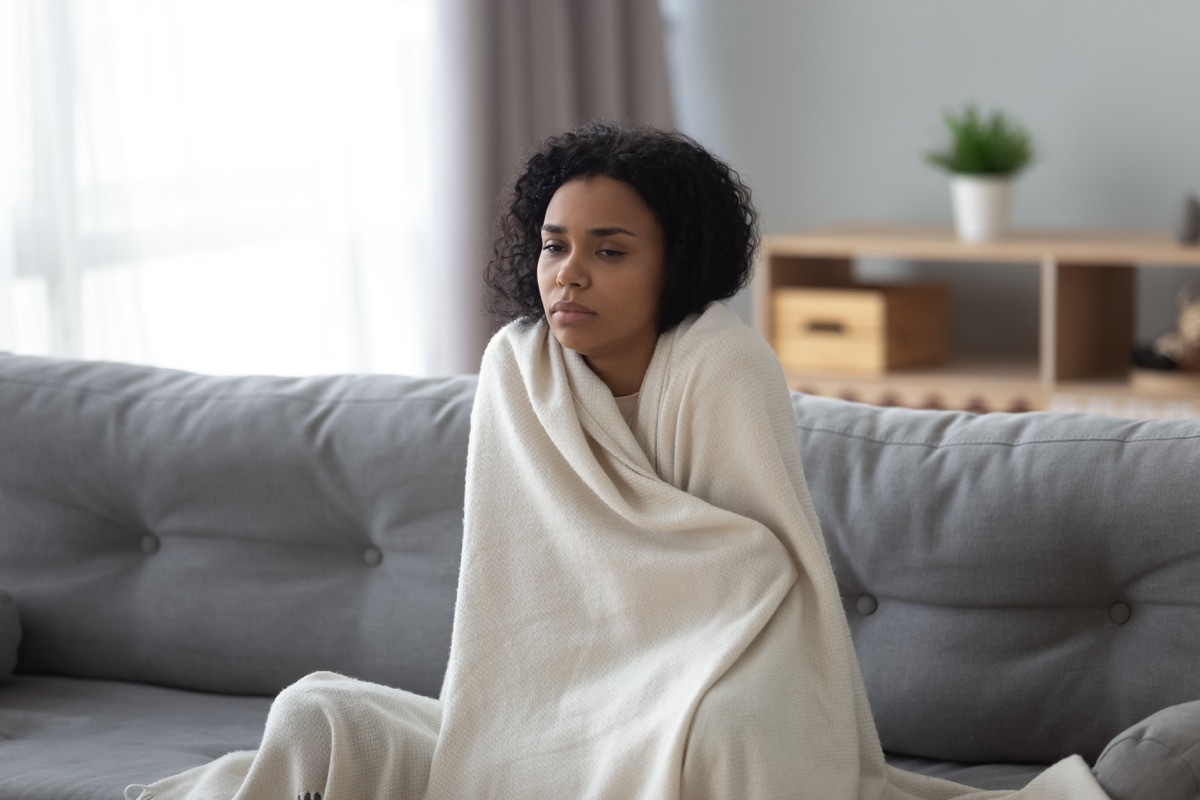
826, 107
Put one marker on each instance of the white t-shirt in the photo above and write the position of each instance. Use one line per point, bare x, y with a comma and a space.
627, 405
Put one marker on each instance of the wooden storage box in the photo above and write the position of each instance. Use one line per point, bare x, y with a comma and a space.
860, 329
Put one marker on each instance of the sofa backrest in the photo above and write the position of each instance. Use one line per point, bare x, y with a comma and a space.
1019, 587
230, 534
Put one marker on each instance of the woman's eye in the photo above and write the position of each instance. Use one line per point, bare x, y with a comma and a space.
552, 247
611, 253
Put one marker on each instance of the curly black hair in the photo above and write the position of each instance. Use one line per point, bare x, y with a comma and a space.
710, 227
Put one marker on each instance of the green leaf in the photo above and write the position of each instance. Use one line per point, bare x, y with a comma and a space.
983, 145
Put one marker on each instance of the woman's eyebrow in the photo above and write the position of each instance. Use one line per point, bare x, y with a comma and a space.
548, 228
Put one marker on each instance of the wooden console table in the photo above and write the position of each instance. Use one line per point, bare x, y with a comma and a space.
1086, 317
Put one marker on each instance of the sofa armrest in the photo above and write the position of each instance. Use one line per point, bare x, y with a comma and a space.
1156, 759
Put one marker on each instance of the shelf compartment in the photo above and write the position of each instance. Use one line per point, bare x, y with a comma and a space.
1086, 318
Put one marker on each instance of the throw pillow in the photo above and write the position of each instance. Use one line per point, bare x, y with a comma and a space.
1156, 759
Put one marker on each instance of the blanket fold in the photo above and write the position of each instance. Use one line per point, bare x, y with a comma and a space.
645, 613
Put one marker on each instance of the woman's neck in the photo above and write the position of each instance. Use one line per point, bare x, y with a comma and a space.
622, 376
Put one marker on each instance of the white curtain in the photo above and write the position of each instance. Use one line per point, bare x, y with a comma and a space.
219, 185
284, 186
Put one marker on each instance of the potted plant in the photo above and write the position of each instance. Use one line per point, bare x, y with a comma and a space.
984, 155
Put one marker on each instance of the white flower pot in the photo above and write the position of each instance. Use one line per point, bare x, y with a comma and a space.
982, 206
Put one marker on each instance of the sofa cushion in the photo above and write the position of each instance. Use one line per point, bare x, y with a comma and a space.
1019, 587
231, 534
1156, 759
10, 635
978, 776
71, 739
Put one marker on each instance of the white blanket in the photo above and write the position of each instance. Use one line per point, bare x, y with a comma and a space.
644, 613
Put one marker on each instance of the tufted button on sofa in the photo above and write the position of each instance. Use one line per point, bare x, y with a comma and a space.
175, 549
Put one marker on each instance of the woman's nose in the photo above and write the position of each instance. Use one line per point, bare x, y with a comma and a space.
572, 272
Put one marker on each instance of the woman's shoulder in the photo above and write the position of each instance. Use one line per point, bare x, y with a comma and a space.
719, 368
725, 400
717, 342
520, 337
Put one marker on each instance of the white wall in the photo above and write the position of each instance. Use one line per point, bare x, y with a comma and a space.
826, 107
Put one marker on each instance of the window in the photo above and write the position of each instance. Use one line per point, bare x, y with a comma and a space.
219, 185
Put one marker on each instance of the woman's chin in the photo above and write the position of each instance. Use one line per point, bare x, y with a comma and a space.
570, 339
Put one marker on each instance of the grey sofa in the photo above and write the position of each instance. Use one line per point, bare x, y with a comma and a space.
177, 548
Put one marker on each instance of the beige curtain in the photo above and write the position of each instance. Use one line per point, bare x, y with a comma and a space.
512, 73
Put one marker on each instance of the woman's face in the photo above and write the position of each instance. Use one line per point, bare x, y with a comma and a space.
601, 275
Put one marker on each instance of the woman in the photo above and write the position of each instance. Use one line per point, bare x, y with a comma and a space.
645, 606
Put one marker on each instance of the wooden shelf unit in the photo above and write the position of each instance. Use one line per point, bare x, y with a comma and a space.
1087, 294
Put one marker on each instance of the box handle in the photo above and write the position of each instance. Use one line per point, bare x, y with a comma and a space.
825, 326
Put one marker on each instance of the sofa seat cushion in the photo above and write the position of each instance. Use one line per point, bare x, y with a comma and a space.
73, 739
979, 776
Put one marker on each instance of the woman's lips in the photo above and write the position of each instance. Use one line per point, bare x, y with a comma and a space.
570, 313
